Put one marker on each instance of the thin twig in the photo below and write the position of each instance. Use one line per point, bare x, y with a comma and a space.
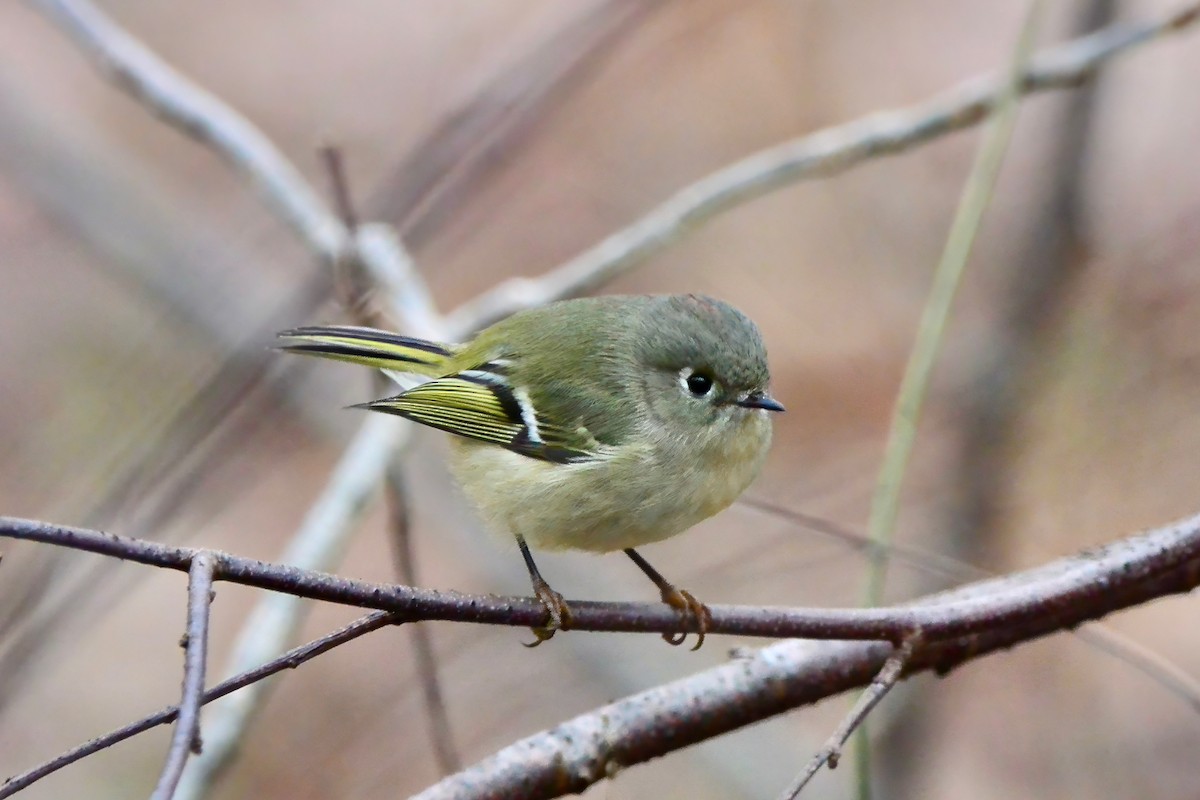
910, 398
669, 717
819, 155
1065, 592
440, 734
580, 752
289, 660
453, 162
353, 282
1015, 353
356, 299
174, 98
187, 730
914, 385
200, 115
831, 751
339, 187
1154, 666
273, 624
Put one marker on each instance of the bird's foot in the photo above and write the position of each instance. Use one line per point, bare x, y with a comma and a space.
689, 608
557, 611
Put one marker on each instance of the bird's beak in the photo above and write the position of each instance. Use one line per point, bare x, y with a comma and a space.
760, 400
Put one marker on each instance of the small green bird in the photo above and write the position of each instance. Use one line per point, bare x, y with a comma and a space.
596, 424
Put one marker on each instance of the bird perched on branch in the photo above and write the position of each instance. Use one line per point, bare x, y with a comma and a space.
598, 424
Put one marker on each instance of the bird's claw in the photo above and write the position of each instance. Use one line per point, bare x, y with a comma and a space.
542, 635
685, 602
557, 611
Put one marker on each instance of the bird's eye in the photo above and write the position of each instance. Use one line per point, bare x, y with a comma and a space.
699, 384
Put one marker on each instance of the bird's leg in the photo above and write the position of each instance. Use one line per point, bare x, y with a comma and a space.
556, 607
679, 599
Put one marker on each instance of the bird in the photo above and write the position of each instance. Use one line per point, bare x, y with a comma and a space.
596, 424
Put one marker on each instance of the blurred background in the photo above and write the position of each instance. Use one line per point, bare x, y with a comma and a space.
140, 283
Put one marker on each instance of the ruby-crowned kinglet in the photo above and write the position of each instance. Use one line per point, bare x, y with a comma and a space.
594, 424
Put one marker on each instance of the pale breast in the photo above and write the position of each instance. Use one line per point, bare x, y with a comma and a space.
630, 498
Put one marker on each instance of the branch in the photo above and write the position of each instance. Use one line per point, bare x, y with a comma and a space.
905, 418
187, 730
1006, 610
376, 249
198, 114
444, 751
317, 545
289, 660
1167, 675
587, 749
203, 117
1060, 594
831, 752
819, 155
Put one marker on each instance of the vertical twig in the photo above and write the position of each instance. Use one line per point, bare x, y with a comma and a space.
186, 739
440, 733
318, 545
976, 196
1004, 372
357, 287
353, 284
339, 187
289, 660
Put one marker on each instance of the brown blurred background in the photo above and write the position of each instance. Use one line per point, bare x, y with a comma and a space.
503, 138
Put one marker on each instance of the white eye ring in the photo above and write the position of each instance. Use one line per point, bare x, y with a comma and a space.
695, 384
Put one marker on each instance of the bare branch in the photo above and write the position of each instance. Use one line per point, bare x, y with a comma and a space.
818, 155
1000, 612
1060, 594
289, 660
775, 679
140, 72
195, 112
187, 730
440, 734
455, 159
339, 186
1167, 675
274, 623
373, 248
831, 751
205, 118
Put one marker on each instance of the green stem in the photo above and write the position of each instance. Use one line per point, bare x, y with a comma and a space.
914, 386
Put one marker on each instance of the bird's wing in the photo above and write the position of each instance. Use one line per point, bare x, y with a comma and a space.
481, 405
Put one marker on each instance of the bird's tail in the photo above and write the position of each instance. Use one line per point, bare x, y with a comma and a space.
373, 348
